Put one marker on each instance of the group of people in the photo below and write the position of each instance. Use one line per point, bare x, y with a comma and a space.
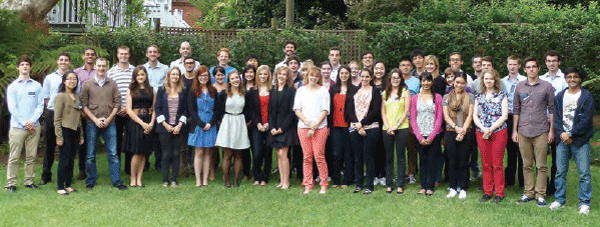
341, 119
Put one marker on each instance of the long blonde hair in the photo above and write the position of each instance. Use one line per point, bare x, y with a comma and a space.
167, 83
268, 82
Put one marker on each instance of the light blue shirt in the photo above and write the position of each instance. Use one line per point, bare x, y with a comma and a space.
509, 89
156, 75
558, 83
50, 89
25, 102
413, 85
227, 71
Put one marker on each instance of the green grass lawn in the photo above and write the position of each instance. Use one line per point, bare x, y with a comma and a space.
268, 206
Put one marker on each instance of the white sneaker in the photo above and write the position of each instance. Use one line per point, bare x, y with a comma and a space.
382, 181
584, 209
462, 194
376, 181
451, 194
411, 179
555, 205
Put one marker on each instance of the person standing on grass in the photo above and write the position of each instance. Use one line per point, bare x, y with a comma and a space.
533, 99
67, 128
223, 57
340, 137
219, 84
101, 101
187, 155
85, 73
394, 113
50, 88
259, 126
282, 127
201, 108
414, 85
514, 162
140, 139
363, 113
233, 133
248, 84
185, 49
574, 109
432, 66
426, 122
490, 114
379, 82
311, 105
121, 74
458, 114
170, 111
25, 104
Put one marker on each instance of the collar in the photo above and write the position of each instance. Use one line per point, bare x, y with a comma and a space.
100, 81
19, 79
158, 65
84, 68
559, 74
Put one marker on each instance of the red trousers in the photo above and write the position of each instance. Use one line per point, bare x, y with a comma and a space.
492, 158
313, 147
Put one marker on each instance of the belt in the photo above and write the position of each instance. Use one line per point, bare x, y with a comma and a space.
234, 114
142, 111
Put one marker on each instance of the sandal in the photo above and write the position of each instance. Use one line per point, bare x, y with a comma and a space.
165, 184
422, 191
400, 191
368, 191
429, 193
389, 190
357, 190
70, 190
62, 192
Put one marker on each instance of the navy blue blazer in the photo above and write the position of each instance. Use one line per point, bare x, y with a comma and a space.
583, 125
162, 108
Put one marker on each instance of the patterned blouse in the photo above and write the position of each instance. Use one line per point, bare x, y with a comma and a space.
425, 117
490, 109
362, 101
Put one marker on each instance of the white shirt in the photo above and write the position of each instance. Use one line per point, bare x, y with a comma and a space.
569, 107
312, 104
334, 72
179, 63
558, 83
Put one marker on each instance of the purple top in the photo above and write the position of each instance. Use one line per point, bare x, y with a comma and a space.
531, 101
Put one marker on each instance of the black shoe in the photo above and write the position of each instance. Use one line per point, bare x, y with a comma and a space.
11, 189
33, 186
485, 198
480, 189
498, 199
44, 182
81, 176
90, 187
121, 187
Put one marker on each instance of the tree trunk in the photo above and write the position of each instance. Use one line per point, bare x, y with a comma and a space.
31, 10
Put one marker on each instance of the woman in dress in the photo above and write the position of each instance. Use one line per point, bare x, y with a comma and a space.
363, 113
311, 105
394, 113
340, 137
138, 139
233, 133
219, 75
258, 99
426, 121
170, 112
490, 114
203, 120
67, 127
282, 130
458, 114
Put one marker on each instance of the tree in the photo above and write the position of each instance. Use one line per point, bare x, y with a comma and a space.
31, 10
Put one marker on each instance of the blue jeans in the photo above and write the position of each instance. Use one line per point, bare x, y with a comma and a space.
109, 134
582, 160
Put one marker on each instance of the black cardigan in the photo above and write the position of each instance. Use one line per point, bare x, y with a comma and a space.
192, 111
373, 114
350, 92
280, 110
222, 100
253, 103
161, 107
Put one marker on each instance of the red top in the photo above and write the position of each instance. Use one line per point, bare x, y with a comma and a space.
264, 107
338, 110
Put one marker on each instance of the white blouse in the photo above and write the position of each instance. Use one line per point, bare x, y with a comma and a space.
312, 104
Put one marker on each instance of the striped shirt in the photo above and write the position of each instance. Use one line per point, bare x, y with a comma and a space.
122, 78
173, 103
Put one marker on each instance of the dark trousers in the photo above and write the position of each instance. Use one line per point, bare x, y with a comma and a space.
363, 148
246, 162
379, 156
66, 155
474, 156
411, 153
298, 161
514, 162
551, 186
429, 157
50, 144
262, 153
399, 139
341, 152
458, 157
171, 145
120, 123
82, 149
158, 154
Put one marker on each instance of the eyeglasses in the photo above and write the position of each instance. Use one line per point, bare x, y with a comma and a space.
551, 61
189, 63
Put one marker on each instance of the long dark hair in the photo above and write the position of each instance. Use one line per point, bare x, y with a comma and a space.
62, 87
372, 83
246, 69
338, 82
134, 87
427, 76
197, 87
388, 86
383, 80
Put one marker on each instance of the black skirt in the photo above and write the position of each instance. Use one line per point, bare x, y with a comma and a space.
135, 140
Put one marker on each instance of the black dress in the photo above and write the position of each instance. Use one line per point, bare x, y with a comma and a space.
135, 140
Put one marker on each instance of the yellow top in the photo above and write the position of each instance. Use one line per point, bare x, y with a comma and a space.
394, 108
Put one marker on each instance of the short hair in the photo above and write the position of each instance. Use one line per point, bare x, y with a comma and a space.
573, 70
155, 46
311, 71
290, 42
475, 56
455, 53
365, 54
102, 59
449, 71
417, 52
293, 57
325, 63
514, 58
23, 58
405, 58
188, 57
89, 48
65, 54
226, 50
334, 48
533, 59
251, 56
488, 59
553, 53
218, 69
125, 48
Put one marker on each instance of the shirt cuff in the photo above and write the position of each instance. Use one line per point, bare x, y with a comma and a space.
160, 119
183, 119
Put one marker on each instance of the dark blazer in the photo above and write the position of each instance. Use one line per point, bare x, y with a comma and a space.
351, 90
439, 85
253, 103
374, 113
161, 107
280, 110
222, 100
192, 112
583, 125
